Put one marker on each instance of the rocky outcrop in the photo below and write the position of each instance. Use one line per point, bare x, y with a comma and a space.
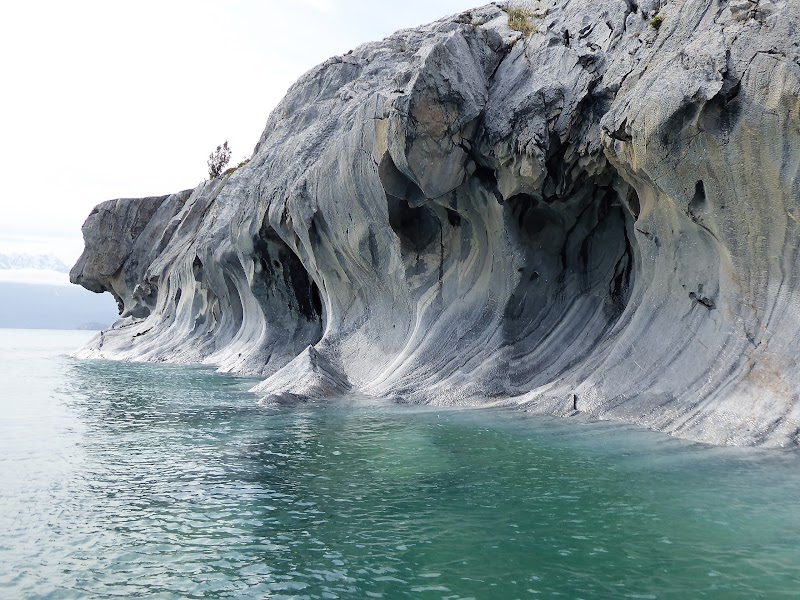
602, 218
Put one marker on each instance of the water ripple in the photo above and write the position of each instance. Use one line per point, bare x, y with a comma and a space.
130, 480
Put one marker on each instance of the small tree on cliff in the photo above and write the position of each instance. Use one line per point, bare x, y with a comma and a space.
218, 160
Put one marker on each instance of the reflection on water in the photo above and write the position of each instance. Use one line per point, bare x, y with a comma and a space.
131, 480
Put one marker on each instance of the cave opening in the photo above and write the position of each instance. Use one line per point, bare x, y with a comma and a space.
316, 299
283, 285
234, 299
699, 199
197, 268
453, 218
415, 226
410, 218
531, 217
486, 175
575, 257
634, 206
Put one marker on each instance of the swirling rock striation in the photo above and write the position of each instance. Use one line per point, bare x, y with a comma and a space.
602, 218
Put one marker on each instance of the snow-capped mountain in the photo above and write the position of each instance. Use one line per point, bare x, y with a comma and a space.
35, 293
39, 262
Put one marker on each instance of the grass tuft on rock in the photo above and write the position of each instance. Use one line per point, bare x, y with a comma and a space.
234, 169
519, 18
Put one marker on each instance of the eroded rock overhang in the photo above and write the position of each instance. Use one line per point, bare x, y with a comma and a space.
598, 219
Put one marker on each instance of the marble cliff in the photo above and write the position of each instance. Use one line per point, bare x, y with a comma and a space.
600, 218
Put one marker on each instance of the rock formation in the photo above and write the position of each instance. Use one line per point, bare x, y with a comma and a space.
601, 218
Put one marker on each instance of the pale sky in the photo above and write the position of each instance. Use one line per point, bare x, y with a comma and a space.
102, 99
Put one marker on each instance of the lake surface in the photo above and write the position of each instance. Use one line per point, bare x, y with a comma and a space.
138, 480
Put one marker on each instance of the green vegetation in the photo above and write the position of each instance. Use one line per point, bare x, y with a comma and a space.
218, 160
656, 21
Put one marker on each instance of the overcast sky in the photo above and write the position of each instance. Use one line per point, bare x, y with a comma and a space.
104, 100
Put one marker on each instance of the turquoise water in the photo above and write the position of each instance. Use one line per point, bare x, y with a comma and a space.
136, 480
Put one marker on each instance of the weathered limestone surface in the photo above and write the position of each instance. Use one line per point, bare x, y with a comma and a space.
605, 215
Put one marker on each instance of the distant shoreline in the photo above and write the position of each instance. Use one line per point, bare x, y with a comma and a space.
47, 306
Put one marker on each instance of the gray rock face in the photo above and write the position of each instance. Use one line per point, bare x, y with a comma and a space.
604, 216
